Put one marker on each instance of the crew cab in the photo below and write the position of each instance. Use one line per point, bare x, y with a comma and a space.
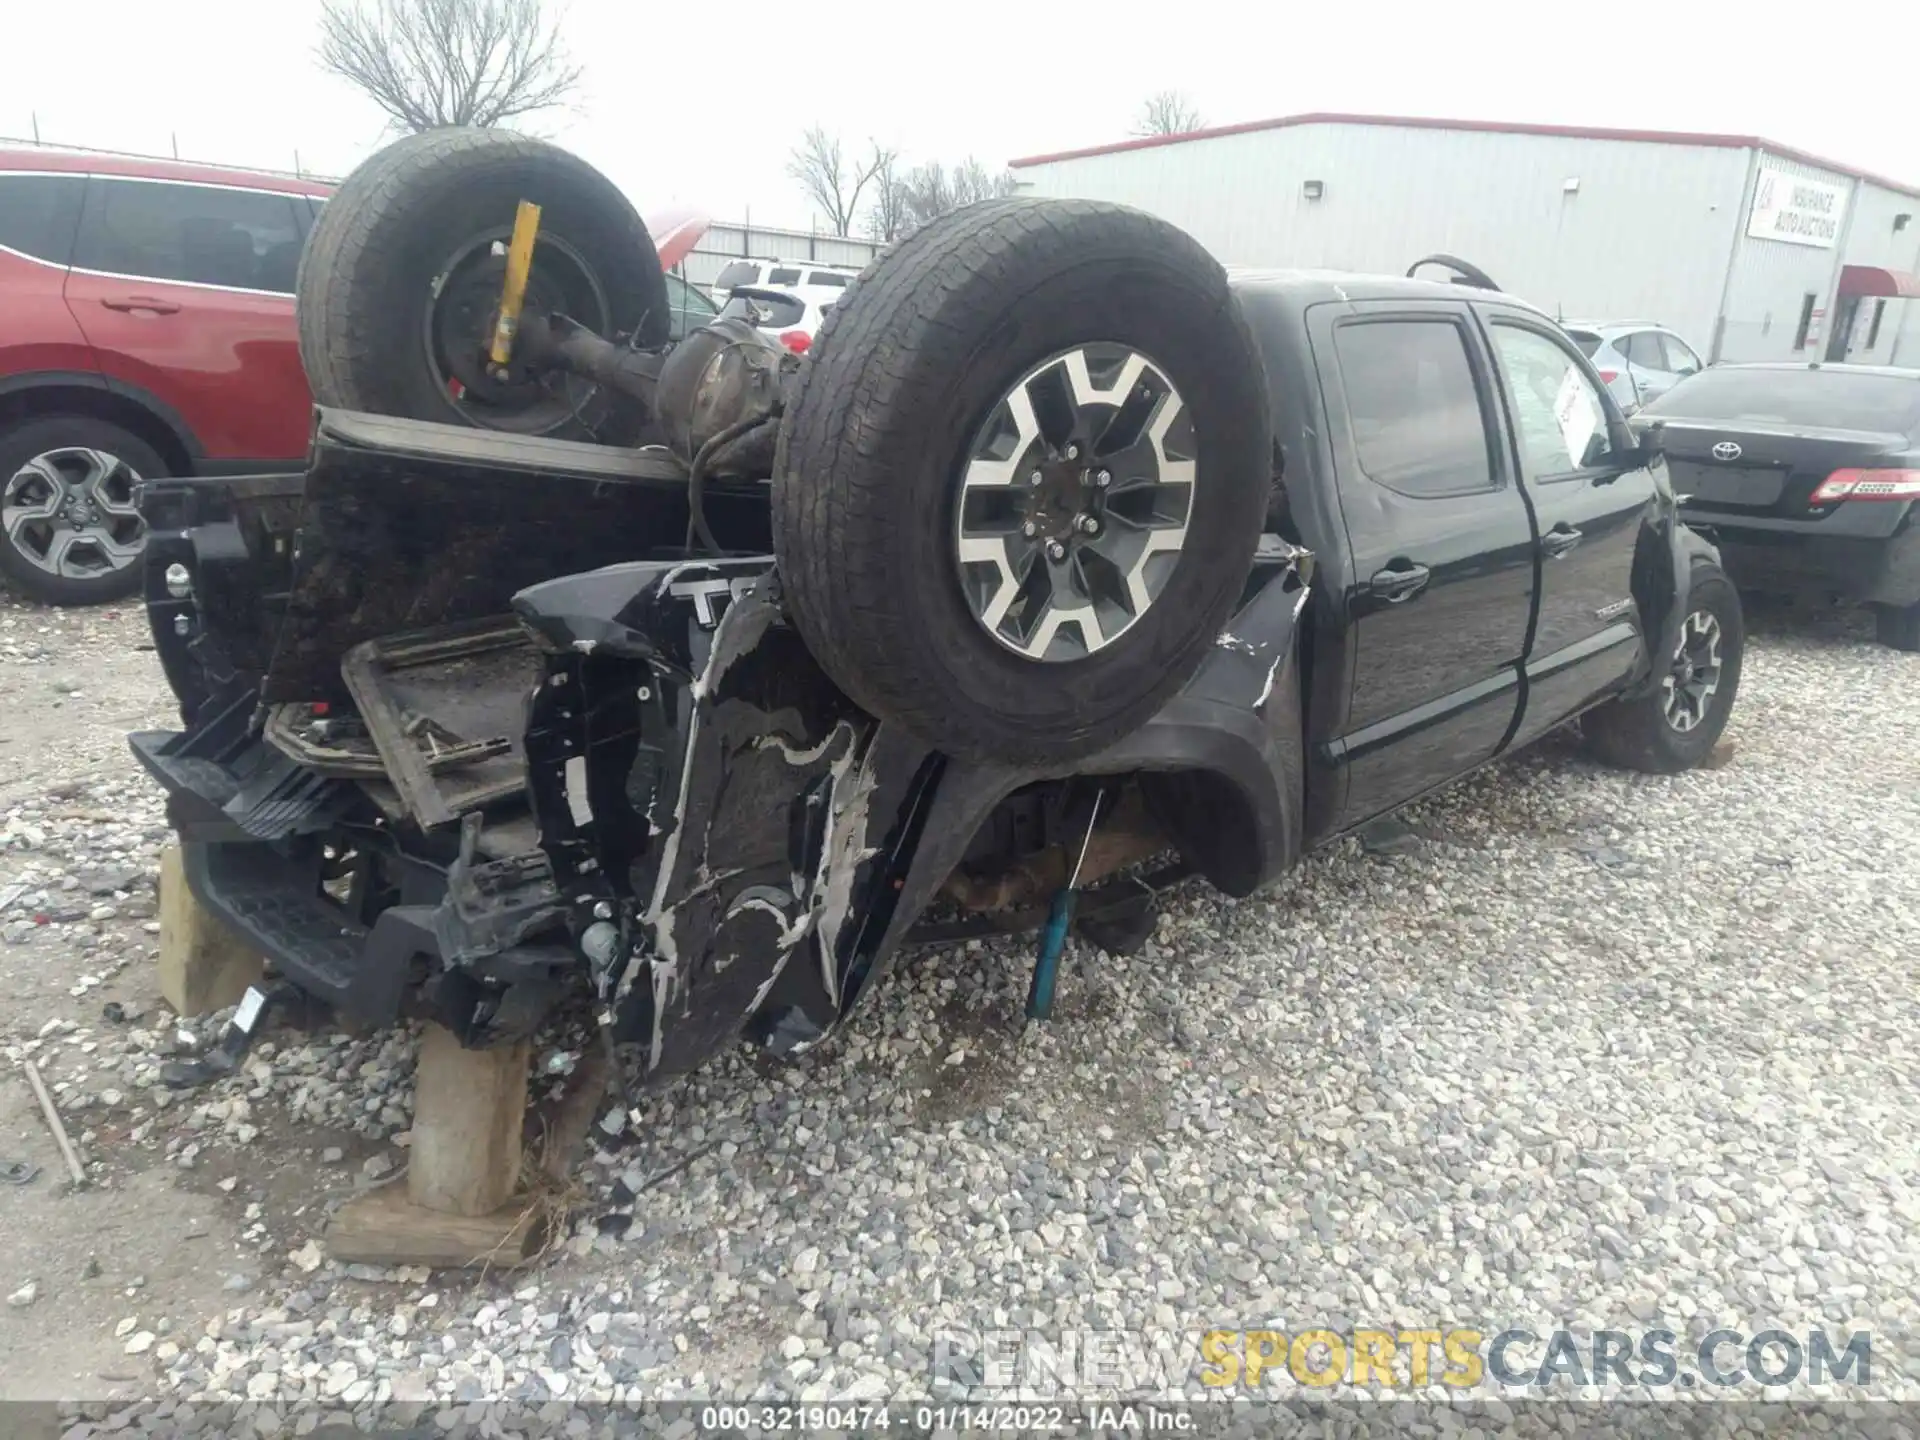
471, 723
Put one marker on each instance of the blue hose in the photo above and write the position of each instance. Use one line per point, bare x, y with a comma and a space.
1053, 941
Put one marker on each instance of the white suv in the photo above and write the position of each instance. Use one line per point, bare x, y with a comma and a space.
799, 277
1639, 360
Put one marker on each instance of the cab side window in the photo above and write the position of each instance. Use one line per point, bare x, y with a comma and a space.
1418, 426
1557, 412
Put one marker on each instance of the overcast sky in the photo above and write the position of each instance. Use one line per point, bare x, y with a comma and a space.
699, 104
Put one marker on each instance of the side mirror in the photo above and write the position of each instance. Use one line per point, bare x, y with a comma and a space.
1648, 441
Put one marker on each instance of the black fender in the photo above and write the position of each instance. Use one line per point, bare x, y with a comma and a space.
1223, 764
745, 850
1663, 561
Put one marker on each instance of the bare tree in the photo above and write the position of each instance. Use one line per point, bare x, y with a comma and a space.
1167, 113
832, 181
888, 219
932, 190
435, 63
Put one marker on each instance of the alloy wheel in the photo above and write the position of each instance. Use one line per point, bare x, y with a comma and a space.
72, 513
1694, 676
1074, 502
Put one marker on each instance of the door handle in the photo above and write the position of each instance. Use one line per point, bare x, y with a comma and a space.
1401, 580
130, 303
1560, 539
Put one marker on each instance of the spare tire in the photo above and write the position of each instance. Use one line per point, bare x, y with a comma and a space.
1019, 489
398, 284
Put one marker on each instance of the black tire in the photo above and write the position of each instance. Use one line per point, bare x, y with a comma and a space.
373, 270
904, 374
1637, 734
1898, 627
48, 435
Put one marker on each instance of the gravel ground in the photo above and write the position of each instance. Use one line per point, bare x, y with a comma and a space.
1580, 1050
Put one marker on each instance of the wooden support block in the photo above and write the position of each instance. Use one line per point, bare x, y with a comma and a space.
468, 1109
385, 1227
459, 1206
204, 966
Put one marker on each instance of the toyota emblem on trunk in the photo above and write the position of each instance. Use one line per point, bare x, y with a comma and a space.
1726, 450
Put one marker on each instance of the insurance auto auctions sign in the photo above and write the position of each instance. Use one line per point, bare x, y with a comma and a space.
1800, 212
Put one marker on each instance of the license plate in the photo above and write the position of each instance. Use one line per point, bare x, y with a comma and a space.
1744, 485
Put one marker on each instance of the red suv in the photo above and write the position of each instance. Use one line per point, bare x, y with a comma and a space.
146, 328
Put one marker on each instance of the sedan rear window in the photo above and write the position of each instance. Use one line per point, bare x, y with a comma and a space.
1818, 399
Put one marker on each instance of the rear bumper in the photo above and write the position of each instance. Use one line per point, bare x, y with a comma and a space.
1818, 558
259, 836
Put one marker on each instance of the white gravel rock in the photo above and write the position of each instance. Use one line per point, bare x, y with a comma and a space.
1584, 1049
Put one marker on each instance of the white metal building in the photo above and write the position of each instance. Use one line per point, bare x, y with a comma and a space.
1750, 250
726, 242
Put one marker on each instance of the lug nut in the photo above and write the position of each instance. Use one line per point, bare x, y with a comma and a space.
179, 581
1087, 525
1029, 529
1056, 551
1103, 479
1073, 452
1034, 478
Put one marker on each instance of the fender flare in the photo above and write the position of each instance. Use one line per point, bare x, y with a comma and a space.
1663, 586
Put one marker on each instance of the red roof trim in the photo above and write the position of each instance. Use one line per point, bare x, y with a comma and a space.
1503, 127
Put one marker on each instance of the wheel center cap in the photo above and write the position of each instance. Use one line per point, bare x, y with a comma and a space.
1058, 499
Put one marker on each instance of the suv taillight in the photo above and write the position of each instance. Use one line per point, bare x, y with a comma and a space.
796, 340
1609, 376
1867, 485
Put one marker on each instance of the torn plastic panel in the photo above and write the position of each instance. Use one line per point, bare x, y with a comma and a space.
740, 847
712, 805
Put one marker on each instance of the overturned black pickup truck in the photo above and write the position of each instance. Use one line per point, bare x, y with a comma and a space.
695, 677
